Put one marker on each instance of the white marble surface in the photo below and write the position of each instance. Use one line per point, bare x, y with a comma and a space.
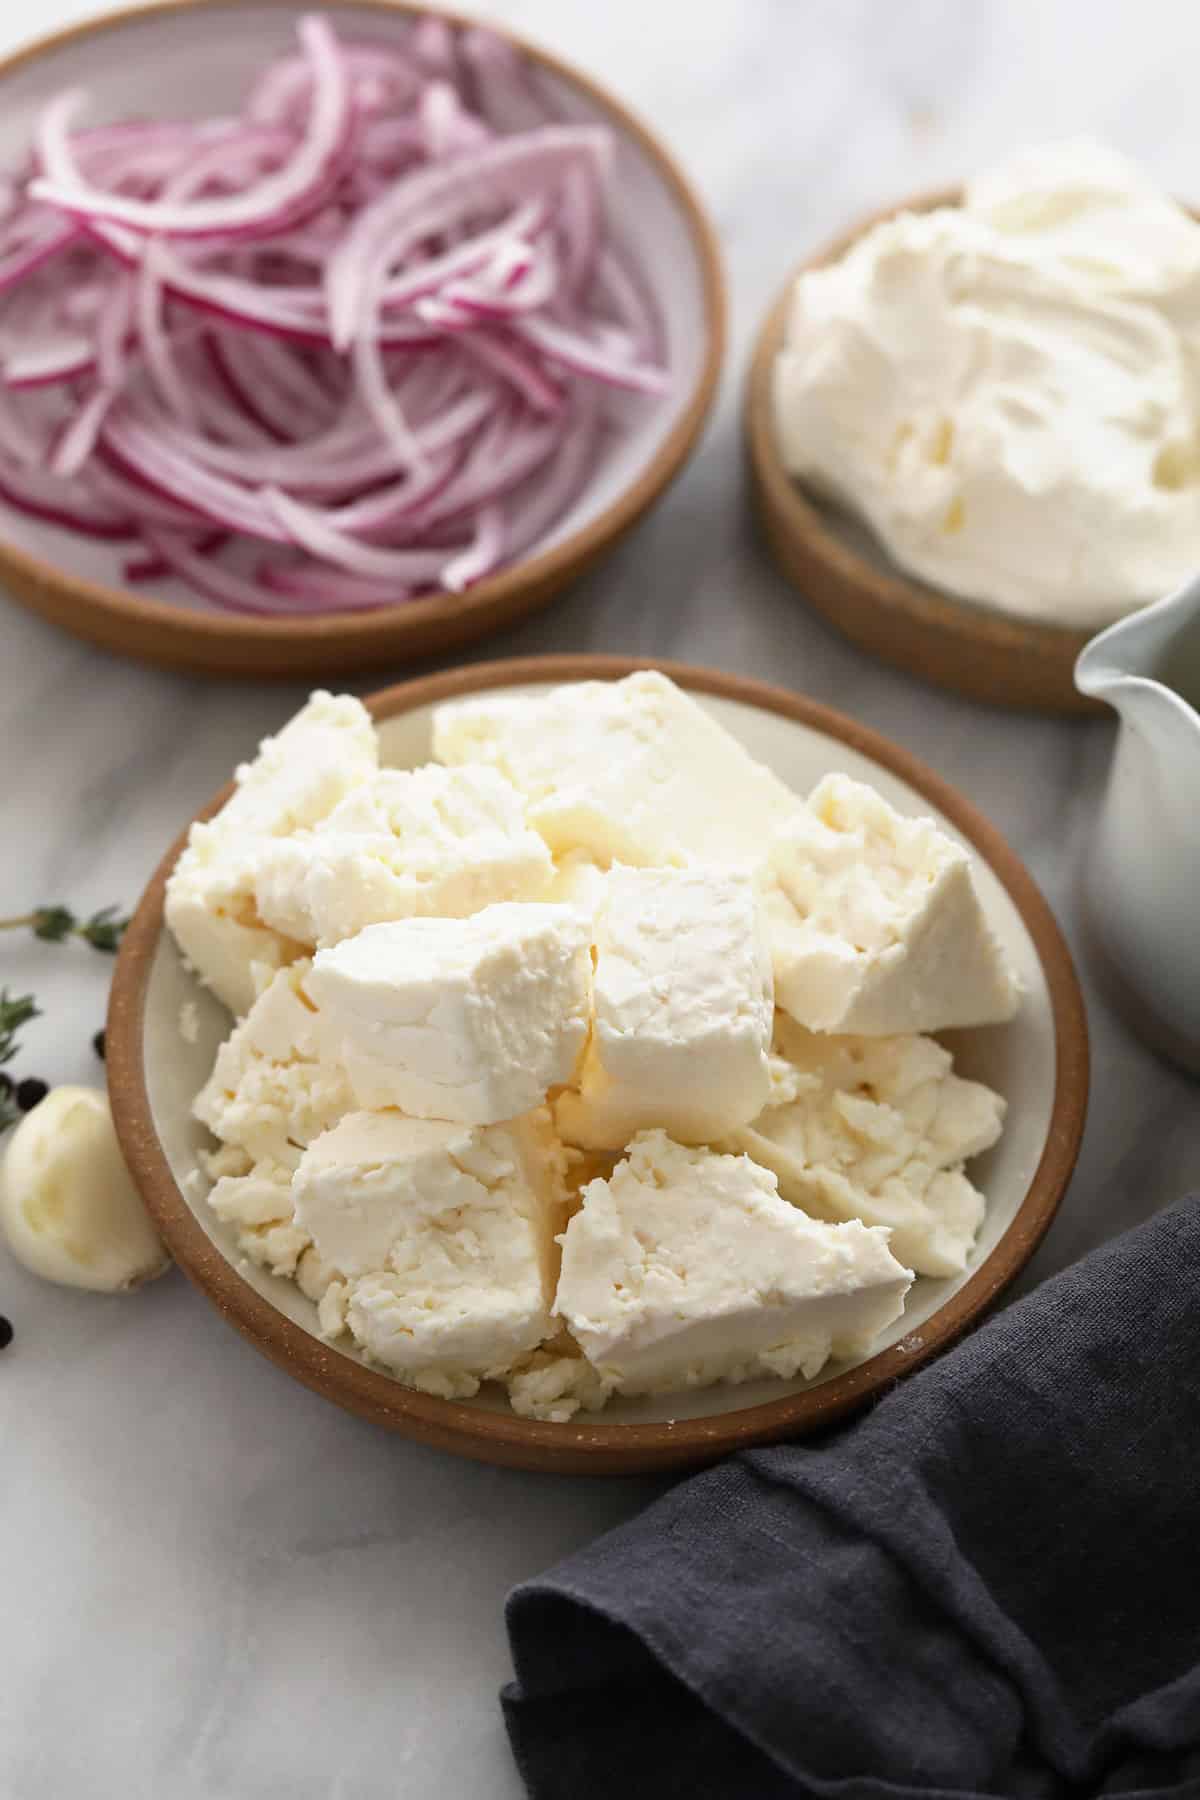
214, 1584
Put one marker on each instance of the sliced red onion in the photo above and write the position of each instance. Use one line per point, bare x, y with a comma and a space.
308, 530
369, 321
506, 170
262, 208
585, 357
59, 503
471, 565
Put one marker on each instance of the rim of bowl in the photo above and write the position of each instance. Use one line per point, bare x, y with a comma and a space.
194, 628
587, 1444
889, 586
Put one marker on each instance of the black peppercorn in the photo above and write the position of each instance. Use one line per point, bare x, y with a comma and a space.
6, 1333
98, 1045
30, 1091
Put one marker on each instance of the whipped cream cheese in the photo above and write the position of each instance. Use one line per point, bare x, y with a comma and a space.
1007, 391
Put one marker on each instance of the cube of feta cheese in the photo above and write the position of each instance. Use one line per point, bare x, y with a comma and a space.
875, 923
270, 1092
686, 1267
445, 1236
296, 778
259, 1206
471, 1020
211, 914
632, 771
683, 1009
405, 843
878, 1129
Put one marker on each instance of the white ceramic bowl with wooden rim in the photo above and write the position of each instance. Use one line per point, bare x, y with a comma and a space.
1038, 1062
181, 58
845, 574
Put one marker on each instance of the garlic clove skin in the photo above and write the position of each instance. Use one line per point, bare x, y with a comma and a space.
67, 1205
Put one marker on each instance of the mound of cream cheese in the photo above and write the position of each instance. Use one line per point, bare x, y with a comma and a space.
1007, 391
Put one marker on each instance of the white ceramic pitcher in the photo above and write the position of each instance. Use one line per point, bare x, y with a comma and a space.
1143, 872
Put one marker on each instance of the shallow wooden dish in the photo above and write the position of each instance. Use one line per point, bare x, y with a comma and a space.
845, 574
181, 56
1040, 1063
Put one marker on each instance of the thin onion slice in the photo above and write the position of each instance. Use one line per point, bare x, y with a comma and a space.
265, 207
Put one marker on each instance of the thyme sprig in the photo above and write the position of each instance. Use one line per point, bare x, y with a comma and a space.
55, 924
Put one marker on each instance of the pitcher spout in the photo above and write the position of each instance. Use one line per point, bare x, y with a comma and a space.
1136, 666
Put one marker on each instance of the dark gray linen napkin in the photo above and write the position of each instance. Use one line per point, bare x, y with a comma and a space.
988, 1585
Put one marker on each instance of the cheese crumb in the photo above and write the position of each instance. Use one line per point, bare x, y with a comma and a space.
686, 1267
294, 781
878, 1129
406, 843
875, 923
445, 1236
270, 1092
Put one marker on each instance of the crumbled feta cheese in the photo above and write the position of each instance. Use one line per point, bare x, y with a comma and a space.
878, 1129
632, 771
259, 1206
553, 1386
295, 780
875, 923
270, 1092
686, 1267
471, 1020
683, 1009
445, 1234
406, 843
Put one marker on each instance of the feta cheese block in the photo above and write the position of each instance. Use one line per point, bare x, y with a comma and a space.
403, 844
472, 1020
875, 923
878, 1129
632, 771
444, 1234
686, 1267
270, 1091
258, 1204
211, 914
683, 1009
295, 780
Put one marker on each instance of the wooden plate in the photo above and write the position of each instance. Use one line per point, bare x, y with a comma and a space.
188, 56
974, 649
1039, 1062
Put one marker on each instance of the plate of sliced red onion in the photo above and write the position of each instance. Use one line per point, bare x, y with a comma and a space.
330, 337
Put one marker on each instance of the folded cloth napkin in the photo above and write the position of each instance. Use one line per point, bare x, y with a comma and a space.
989, 1585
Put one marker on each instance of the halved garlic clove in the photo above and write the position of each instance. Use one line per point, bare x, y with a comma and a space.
67, 1205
